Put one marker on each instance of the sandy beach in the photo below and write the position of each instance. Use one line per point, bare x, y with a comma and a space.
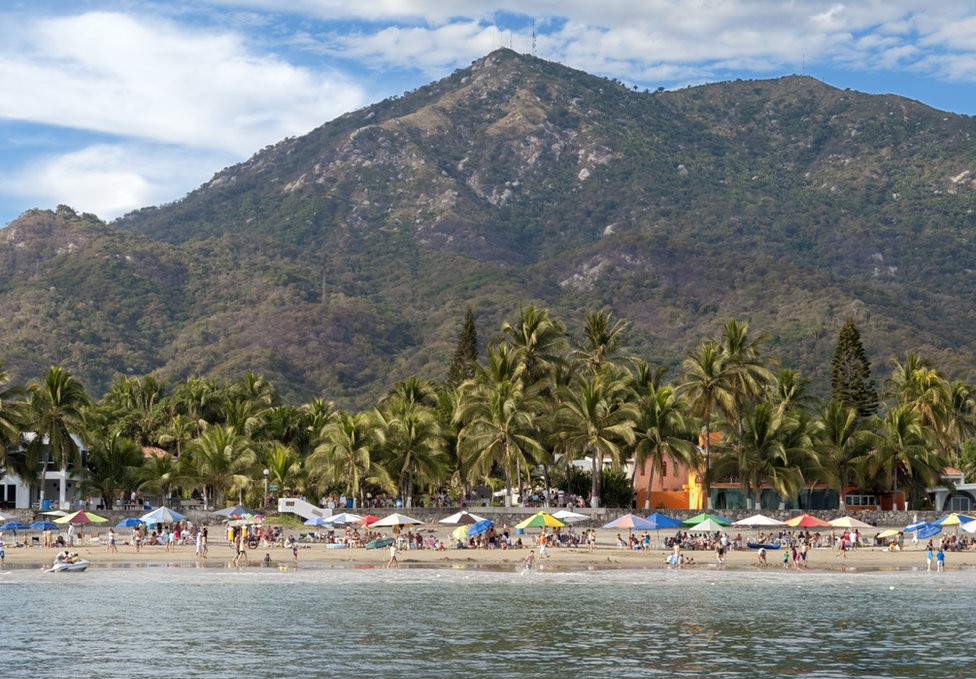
604, 556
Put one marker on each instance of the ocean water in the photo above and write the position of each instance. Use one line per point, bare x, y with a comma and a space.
169, 621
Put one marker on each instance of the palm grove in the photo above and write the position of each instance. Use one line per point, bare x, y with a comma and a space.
541, 399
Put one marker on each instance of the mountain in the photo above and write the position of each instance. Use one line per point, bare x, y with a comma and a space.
337, 262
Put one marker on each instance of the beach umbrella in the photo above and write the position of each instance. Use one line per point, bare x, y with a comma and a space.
889, 533
480, 526
397, 520
55, 512
317, 521
695, 520
81, 518
807, 521
461, 532
43, 525
912, 527
131, 522
162, 515
953, 520
848, 522
969, 527
370, 519
660, 521
630, 522
541, 520
708, 526
758, 521
14, 525
929, 530
4, 517
344, 518
235, 512
463, 517
570, 517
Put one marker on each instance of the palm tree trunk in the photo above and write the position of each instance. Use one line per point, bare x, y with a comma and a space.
650, 482
595, 482
545, 476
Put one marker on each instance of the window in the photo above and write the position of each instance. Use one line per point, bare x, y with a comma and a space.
960, 503
860, 500
664, 467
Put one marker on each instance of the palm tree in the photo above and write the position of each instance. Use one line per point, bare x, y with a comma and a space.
841, 440
746, 365
539, 341
159, 475
347, 456
179, 431
285, 469
113, 466
660, 431
498, 421
760, 457
708, 385
601, 340
13, 414
413, 447
595, 418
56, 412
903, 445
220, 458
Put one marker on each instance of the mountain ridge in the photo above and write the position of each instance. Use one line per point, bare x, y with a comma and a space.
342, 259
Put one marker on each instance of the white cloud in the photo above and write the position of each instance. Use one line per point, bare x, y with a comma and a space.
158, 81
112, 179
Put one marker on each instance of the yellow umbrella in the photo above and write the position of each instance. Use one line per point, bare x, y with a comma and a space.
541, 519
460, 533
888, 533
952, 520
81, 517
848, 522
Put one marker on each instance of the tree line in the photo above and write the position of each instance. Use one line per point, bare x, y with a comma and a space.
517, 418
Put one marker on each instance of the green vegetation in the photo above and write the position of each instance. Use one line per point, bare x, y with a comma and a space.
535, 405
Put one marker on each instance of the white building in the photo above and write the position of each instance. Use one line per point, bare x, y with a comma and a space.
964, 498
60, 487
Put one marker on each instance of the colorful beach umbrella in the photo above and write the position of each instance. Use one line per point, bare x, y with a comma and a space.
889, 533
695, 520
162, 515
81, 518
630, 522
235, 512
461, 532
541, 520
848, 522
953, 520
929, 530
370, 519
463, 517
807, 521
969, 527
43, 525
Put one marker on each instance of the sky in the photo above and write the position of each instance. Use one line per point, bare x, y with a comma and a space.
112, 105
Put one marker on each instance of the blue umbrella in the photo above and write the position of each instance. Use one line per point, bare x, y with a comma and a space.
911, 528
480, 527
928, 531
43, 525
129, 523
14, 525
662, 521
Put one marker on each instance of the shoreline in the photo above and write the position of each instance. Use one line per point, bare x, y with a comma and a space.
863, 559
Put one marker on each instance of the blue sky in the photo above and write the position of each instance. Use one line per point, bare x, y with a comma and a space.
112, 105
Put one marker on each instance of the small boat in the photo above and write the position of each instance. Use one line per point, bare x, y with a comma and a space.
68, 566
336, 545
379, 543
763, 545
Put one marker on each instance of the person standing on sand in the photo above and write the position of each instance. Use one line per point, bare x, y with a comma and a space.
111, 541
206, 547
928, 556
3, 552
542, 544
393, 563
940, 560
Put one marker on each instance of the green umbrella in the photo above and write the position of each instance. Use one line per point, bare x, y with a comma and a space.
695, 520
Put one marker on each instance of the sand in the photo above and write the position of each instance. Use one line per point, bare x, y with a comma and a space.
604, 556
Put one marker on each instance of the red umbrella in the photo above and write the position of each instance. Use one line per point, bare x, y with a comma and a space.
370, 519
807, 521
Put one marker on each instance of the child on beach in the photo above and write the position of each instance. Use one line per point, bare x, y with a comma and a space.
528, 561
761, 557
940, 560
393, 563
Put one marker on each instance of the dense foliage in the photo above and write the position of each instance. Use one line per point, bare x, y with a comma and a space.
543, 409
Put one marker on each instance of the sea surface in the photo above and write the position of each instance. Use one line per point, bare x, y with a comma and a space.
325, 621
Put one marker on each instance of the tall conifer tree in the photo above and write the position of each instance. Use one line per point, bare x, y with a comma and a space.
466, 352
850, 373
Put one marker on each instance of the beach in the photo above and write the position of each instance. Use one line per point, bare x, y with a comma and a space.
605, 555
